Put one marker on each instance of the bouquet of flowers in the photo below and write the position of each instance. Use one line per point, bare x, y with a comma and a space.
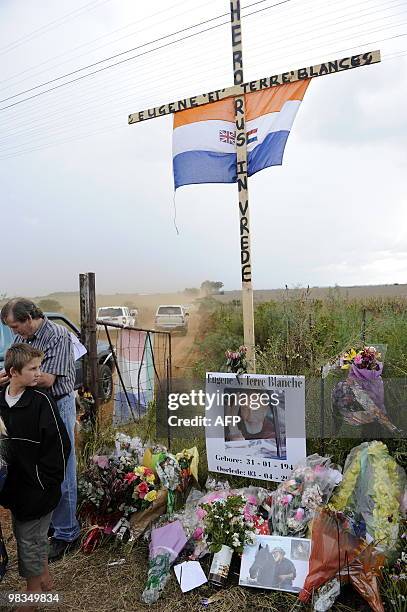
373, 487
176, 472
129, 447
236, 360
188, 464
338, 557
110, 490
295, 501
367, 358
227, 521
360, 399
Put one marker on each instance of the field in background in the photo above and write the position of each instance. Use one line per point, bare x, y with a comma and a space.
147, 303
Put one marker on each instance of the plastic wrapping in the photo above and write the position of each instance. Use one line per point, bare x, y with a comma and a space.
331, 548
141, 521
336, 552
165, 546
352, 399
294, 502
363, 574
372, 489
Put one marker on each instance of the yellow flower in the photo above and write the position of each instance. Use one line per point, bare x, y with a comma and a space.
151, 496
150, 478
139, 470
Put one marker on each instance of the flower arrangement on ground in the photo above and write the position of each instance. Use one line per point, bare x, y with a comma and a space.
373, 487
227, 521
295, 501
111, 489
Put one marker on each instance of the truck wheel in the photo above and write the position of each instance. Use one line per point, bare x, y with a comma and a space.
105, 382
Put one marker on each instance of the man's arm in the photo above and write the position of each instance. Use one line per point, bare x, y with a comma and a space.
54, 364
45, 381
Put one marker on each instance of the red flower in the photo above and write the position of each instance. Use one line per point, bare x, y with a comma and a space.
142, 489
148, 471
130, 477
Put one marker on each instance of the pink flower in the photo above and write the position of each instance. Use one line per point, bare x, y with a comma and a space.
252, 500
248, 512
286, 499
142, 489
101, 461
299, 515
200, 513
198, 533
129, 477
214, 497
358, 360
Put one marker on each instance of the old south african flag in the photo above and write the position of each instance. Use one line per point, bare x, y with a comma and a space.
204, 137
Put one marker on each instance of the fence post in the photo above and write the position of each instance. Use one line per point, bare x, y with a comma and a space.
168, 382
322, 411
363, 331
87, 296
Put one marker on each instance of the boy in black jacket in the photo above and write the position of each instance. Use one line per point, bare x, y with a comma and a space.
37, 448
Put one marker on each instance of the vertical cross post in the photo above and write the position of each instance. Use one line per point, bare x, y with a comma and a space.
243, 189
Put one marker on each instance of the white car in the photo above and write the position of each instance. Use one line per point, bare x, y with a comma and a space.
117, 314
171, 317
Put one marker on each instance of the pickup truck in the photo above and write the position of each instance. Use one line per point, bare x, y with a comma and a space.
117, 314
172, 318
105, 358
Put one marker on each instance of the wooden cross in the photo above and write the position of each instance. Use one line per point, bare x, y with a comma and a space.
237, 92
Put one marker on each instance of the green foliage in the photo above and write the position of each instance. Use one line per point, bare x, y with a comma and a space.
300, 334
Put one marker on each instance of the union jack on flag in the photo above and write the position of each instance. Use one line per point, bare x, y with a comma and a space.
227, 136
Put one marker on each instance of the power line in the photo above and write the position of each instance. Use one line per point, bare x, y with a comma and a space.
16, 153
34, 128
281, 48
133, 49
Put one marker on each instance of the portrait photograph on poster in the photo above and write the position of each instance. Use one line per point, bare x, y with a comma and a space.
255, 424
275, 562
261, 429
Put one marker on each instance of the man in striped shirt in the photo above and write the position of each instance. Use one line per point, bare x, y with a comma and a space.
30, 325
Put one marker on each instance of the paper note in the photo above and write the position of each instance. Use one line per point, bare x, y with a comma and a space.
190, 575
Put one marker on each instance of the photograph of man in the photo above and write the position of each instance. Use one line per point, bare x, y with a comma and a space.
284, 572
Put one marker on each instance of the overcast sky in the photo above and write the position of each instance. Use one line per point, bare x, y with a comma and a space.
83, 191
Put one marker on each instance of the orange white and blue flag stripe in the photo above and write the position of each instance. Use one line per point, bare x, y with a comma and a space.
204, 137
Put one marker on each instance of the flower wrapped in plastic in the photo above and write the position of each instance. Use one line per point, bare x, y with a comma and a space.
227, 519
373, 487
359, 399
130, 447
338, 556
112, 489
295, 501
165, 545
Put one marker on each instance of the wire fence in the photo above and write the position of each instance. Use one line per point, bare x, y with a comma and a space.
142, 368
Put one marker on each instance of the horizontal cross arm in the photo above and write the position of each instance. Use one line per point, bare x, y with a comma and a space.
330, 67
